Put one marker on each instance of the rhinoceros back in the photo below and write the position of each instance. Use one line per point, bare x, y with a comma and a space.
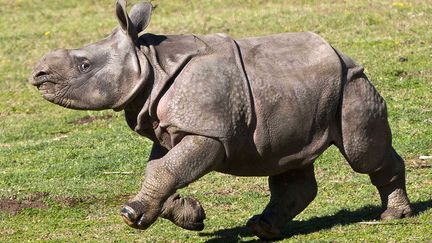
295, 79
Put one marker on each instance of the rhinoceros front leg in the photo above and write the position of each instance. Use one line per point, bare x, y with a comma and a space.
185, 212
192, 158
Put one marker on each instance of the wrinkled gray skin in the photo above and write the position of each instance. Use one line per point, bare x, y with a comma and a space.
264, 106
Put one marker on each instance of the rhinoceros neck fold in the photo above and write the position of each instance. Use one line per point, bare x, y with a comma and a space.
167, 56
140, 80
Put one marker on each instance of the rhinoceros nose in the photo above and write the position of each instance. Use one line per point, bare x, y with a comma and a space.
51, 61
38, 75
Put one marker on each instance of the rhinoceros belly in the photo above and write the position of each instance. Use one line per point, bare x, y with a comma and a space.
295, 81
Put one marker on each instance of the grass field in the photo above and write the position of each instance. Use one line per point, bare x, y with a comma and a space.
53, 161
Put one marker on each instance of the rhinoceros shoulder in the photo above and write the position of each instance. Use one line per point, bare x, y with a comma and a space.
209, 97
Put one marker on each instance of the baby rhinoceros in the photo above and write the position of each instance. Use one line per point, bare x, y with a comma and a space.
261, 106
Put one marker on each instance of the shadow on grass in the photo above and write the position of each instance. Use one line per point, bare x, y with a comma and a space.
343, 217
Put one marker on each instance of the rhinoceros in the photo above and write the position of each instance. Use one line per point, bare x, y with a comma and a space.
260, 106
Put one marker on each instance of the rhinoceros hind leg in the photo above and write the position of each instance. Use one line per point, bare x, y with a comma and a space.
366, 143
390, 182
186, 212
291, 193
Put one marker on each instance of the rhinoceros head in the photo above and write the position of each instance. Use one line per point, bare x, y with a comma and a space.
103, 75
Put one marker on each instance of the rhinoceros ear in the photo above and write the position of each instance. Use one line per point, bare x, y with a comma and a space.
124, 20
140, 15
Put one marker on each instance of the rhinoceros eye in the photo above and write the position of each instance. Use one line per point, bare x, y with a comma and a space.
84, 66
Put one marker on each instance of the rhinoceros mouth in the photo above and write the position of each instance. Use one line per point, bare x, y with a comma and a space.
44, 87
48, 86
39, 81
53, 91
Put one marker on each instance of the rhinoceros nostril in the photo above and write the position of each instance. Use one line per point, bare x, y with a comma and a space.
38, 77
40, 74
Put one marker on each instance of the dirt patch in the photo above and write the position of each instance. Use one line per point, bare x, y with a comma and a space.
90, 119
66, 201
13, 206
72, 201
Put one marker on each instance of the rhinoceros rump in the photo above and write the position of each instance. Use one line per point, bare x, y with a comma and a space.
261, 106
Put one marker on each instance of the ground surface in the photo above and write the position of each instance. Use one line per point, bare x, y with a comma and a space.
54, 183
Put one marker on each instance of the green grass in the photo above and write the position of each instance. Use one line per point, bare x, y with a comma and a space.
44, 152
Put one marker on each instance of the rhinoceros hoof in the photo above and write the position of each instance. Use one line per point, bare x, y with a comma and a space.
186, 213
395, 213
263, 229
133, 215
194, 215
